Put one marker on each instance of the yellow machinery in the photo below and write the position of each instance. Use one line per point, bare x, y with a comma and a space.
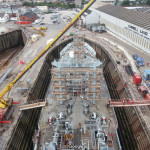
42, 34
3, 103
40, 28
43, 28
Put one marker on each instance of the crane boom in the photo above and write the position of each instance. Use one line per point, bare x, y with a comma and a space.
11, 84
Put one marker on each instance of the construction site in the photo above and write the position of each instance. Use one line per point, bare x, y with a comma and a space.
76, 91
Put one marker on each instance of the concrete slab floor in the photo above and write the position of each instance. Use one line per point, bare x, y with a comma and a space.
77, 117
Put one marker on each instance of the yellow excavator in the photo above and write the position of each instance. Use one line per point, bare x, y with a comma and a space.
4, 103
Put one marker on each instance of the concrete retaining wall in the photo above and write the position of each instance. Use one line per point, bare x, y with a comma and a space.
11, 40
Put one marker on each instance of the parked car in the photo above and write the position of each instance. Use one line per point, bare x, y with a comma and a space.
140, 61
42, 23
65, 17
135, 56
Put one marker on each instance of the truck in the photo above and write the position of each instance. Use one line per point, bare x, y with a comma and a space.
140, 61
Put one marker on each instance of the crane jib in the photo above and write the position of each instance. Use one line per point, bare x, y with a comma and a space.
11, 84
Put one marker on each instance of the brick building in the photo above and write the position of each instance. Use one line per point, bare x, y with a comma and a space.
29, 16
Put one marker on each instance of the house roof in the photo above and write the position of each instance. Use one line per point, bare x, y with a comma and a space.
30, 14
135, 17
2, 15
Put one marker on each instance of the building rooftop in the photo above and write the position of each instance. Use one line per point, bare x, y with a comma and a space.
135, 17
143, 9
29, 14
2, 15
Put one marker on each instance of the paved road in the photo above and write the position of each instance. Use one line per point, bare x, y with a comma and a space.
130, 49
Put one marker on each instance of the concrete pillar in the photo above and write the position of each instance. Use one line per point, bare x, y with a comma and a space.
94, 83
60, 82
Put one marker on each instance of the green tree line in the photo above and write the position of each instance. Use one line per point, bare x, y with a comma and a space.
50, 4
128, 3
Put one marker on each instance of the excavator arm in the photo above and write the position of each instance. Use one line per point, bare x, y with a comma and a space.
11, 84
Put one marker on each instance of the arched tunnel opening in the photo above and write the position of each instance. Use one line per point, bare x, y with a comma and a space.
21, 138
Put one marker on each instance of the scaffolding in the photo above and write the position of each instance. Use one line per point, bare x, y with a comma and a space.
77, 72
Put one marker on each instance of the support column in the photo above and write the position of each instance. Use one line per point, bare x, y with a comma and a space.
94, 83
60, 83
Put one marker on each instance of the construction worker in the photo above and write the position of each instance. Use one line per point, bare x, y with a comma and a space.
124, 100
125, 84
112, 136
129, 101
105, 138
107, 105
147, 64
132, 101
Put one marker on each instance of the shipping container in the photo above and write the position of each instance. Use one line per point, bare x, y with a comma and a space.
137, 79
146, 74
147, 97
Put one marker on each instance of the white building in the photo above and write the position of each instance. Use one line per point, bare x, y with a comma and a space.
92, 19
133, 26
4, 17
43, 8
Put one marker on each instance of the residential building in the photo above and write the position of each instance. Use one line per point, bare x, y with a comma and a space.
43, 8
4, 17
29, 16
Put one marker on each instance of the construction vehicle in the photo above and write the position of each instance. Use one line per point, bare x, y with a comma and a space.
41, 33
140, 61
93, 115
40, 29
5, 106
4, 103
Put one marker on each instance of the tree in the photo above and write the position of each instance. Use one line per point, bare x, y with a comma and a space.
27, 4
82, 2
116, 2
148, 2
126, 3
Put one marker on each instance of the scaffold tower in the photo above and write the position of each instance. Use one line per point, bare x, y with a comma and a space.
77, 72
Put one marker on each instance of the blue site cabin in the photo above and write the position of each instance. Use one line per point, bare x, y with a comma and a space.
147, 74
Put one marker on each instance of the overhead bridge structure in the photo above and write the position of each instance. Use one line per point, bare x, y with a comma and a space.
128, 103
33, 104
